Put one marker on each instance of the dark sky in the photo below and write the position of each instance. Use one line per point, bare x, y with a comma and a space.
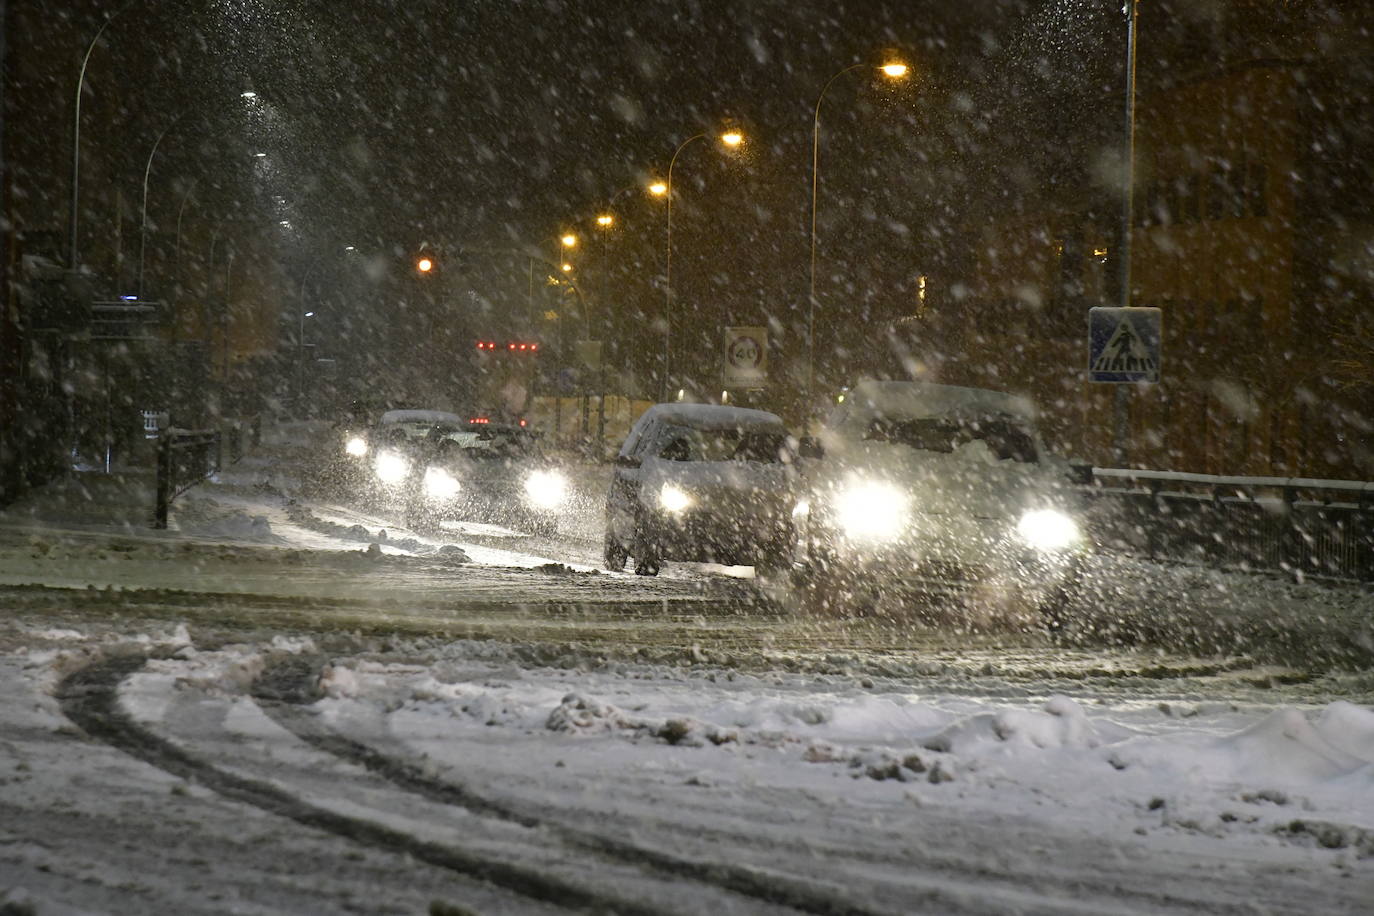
387, 124
442, 119
439, 119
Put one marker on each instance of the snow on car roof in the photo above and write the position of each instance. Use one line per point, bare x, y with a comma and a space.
714, 416
703, 416
421, 416
910, 399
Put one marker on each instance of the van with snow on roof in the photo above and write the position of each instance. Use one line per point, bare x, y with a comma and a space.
704, 483
919, 489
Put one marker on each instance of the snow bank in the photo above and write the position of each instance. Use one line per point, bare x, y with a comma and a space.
235, 526
1219, 768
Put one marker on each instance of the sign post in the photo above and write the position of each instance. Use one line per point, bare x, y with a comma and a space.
746, 358
1123, 348
1124, 345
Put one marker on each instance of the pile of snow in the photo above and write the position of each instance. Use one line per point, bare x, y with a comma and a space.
1219, 768
234, 526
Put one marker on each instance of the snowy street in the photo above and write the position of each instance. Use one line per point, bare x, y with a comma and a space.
701, 459
261, 711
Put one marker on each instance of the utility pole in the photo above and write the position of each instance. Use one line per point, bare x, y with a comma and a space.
1121, 412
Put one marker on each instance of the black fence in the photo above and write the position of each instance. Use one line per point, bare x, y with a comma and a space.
1298, 526
184, 458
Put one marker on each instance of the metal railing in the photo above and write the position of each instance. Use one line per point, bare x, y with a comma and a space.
1293, 525
185, 457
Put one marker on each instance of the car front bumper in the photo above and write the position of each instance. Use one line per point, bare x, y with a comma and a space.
708, 537
913, 567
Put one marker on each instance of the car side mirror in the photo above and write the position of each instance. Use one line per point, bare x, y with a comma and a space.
626, 461
810, 447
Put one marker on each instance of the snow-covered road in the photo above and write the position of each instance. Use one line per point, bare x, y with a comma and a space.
505, 785
277, 707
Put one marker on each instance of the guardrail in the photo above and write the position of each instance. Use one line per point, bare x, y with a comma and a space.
185, 457
1294, 525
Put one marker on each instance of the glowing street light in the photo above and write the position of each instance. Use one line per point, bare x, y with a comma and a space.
605, 220
892, 70
732, 139
424, 265
248, 95
569, 240
567, 268
658, 189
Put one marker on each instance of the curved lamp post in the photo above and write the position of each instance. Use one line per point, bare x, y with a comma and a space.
147, 171
143, 215
74, 208
892, 70
730, 139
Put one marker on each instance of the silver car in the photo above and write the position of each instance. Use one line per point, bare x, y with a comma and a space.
704, 483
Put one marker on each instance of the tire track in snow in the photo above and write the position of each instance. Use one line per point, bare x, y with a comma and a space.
288, 683
89, 698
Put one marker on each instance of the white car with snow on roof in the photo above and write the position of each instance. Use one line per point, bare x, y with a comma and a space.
703, 483
914, 488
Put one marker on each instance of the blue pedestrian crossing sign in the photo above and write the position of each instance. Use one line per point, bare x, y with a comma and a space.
1123, 344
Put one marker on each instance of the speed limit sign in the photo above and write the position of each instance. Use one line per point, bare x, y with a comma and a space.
746, 357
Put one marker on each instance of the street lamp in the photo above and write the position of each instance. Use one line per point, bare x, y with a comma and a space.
731, 139
76, 140
891, 70
300, 339
147, 171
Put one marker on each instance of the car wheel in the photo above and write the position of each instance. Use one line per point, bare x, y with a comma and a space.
1055, 609
647, 555
615, 555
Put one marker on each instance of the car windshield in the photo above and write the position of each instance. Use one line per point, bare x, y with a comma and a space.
414, 429
1007, 439
687, 444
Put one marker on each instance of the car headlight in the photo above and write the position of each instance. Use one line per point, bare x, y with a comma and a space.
391, 467
546, 489
1048, 530
673, 498
357, 446
871, 511
440, 484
